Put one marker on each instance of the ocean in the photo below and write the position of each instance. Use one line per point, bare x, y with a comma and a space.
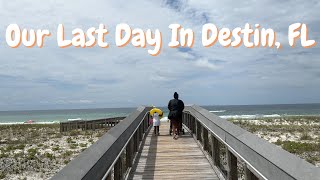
225, 111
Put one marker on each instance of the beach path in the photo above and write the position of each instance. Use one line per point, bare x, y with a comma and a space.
162, 157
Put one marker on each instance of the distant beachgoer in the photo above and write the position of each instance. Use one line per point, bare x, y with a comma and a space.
175, 107
156, 115
156, 123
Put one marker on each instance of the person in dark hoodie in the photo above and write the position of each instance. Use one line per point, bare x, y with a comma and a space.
175, 107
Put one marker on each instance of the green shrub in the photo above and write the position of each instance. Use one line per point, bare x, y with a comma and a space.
32, 153
69, 140
73, 146
10, 148
57, 148
66, 161
66, 154
74, 133
83, 144
298, 147
35, 134
253, 129
278, 142
18, 155
99, 134
4, 155
2, 175
305, 136
20, 146
40, 145
49, 156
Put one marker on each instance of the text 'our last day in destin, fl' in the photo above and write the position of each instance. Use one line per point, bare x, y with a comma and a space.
180, 37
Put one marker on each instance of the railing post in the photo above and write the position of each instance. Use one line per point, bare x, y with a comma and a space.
187, 120
140, 133
232, 166
136, 141
198, 130
205, 138
183, 119
190, 121
215, 150
148, 118
118, 169
194, 125
129, 153
142, 126
146, 123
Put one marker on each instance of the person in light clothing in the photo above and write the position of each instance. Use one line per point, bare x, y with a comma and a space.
156, 123
156, 114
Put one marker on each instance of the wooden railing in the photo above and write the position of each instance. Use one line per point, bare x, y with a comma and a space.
89, 124
235, 152
113, 154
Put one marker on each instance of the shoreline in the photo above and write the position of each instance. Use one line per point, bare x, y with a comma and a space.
24, 123
250, 117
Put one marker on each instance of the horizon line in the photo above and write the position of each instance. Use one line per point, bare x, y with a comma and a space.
155, 106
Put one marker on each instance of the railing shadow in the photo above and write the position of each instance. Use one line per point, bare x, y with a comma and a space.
150, 157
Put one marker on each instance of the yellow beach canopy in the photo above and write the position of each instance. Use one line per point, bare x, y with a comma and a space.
152, 111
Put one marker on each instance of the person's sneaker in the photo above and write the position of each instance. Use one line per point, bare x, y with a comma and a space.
175, 137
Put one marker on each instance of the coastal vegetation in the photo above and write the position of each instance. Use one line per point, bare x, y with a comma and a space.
38, 151
299, 135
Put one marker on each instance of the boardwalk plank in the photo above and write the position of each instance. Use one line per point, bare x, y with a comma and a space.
162, 157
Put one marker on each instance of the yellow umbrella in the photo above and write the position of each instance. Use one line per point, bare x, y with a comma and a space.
156, 110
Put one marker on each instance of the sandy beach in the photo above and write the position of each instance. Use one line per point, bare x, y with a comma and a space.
38, 151
299, 135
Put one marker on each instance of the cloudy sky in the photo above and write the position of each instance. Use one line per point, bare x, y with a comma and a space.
54, 78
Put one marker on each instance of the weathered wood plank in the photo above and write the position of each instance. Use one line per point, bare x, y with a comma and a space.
162, 157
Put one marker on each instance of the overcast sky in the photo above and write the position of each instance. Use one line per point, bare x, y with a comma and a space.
54, 78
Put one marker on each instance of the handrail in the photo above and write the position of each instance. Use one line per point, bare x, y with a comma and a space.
98, 160
89, 124
262, 159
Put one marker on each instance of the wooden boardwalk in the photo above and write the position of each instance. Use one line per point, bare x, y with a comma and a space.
165, 158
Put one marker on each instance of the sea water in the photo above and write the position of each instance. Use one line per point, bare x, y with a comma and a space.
258, 111
225, 111
56, 116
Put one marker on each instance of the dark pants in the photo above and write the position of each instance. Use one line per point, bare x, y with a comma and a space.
156, 130
179, 126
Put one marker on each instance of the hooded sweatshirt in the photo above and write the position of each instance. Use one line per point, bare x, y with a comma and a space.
175, 107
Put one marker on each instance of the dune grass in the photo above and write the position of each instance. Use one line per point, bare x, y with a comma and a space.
40, 149
299, 135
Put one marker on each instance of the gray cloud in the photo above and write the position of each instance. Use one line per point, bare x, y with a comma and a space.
69, 78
